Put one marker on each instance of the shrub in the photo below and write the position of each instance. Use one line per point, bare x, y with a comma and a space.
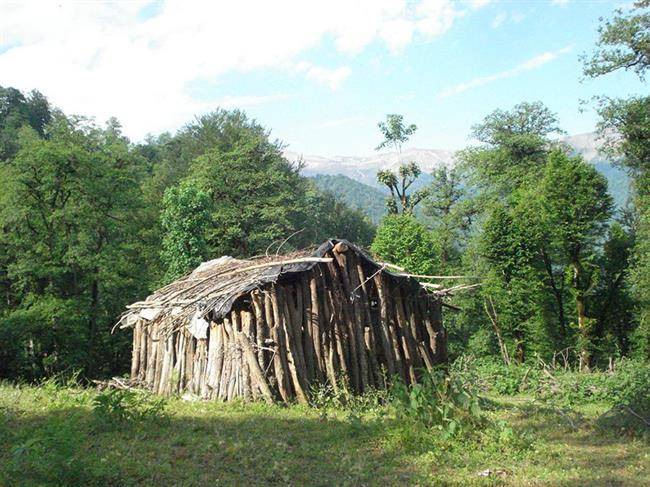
441, 400
114, 406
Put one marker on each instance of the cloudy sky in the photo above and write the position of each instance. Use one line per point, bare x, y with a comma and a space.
319, 74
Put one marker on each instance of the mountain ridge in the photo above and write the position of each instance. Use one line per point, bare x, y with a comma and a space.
363, 170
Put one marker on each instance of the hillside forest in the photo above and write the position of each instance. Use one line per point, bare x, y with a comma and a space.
90, 221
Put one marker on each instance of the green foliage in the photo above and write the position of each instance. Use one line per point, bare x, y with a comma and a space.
441, 400
403, 241
16, 111
395, 132
115, 406
185, 219
450, 213
70, 217
84, 229
515, 146
622, 43
400, 201
354, 194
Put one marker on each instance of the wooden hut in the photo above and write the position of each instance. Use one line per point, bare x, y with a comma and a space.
270, 328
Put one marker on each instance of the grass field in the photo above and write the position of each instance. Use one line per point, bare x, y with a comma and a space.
52, 436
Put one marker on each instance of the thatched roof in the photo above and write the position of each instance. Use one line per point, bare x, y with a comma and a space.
215, 285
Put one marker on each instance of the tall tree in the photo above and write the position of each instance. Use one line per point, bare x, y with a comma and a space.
624, 43
185, 221
69, 223
514, 146
395, 134
577, 210
450, 211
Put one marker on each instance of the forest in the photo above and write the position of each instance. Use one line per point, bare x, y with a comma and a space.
91, 221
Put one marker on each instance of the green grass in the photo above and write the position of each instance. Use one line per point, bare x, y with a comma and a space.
51, 436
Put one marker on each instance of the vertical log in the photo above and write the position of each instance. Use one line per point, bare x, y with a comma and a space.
405, 334
428, 334
261, 328
280, 365
151, 356
190, 347
295, 370
347, 320
219, 359
144, 346
160, 351
135, 351
200, 358
163, 385
327, 333
339, 342
386, 339
315, 324
256, 372
307, 334
214, 367
247, 323
227, 360
441, 336
294, 330
235, 320
180, 361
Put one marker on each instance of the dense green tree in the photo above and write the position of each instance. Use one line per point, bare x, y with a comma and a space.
624, 43
69, 225
510, 288
256, 195
577, 210
450, 210
612, 305
325, 216
17, 110
185, 220
404, 241
514, 147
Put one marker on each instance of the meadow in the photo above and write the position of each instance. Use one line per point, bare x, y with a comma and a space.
64, 434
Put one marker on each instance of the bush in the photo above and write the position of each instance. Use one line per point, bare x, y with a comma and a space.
441, 400
631, 394
115, 406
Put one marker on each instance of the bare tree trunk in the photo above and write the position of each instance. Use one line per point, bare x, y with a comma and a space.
494, 319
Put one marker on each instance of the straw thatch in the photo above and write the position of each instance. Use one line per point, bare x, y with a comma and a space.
273, 327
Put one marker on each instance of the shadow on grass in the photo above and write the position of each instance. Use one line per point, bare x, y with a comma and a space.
214, 444
69, 446
588, 453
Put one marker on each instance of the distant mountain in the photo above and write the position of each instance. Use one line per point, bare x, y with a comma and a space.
587, 146
363, 169
357, 195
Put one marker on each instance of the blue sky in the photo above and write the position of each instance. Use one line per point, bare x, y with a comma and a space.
320, 75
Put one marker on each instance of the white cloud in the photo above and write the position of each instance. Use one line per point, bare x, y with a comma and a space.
503, 17
559, 2
528, 65
499, 20
333, 78
476, 4
103, 59
341, 122
250, 101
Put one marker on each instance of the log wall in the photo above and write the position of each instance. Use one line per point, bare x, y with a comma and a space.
343, 322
